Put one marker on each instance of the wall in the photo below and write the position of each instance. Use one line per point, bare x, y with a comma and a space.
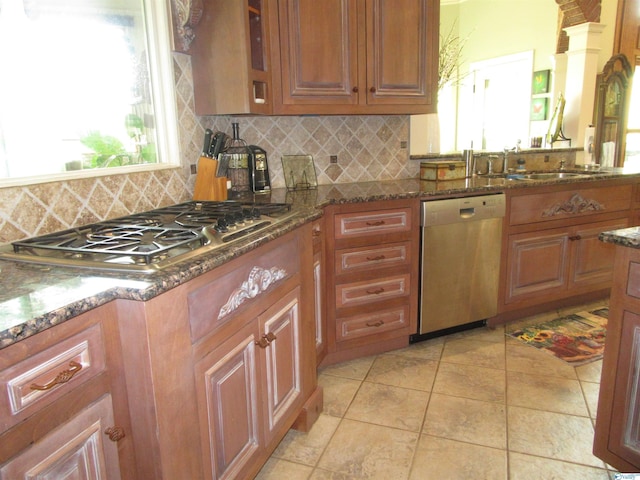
368, 148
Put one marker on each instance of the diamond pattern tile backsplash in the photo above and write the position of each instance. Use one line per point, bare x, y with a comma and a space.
367, 147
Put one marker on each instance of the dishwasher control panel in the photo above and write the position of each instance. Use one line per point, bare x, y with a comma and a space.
464, 209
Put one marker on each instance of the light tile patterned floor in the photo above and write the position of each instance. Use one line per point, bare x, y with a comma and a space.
470, 405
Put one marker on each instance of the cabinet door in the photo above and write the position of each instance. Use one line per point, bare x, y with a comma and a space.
228, 390
280, 349
624, 434
319, 51
536, 264
397, 41
592, 259
78, 449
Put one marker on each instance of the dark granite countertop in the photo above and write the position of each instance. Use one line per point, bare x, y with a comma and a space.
36, 297
626, 237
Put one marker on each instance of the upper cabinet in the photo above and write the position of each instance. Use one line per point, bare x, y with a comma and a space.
330, 57
231, 58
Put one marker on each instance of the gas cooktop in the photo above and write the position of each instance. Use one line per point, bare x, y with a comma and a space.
150, 241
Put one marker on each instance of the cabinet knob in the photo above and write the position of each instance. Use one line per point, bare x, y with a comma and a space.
355, 90
266, 339
575, 237
63, 377
115, 433
375, 224
379, 323
372, 89
376, 258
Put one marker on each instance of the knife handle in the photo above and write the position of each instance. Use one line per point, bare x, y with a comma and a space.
208, 136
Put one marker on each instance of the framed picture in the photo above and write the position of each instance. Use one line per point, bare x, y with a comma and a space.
541, 81
539, 109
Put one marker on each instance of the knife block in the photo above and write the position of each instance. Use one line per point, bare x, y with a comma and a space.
208, 187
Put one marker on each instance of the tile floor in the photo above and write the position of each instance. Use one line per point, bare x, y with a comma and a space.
476, 404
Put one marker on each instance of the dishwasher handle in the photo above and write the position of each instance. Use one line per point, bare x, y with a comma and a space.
467, 212
462, 209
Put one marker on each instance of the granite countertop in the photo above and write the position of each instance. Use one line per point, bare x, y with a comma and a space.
626, 237
36, 297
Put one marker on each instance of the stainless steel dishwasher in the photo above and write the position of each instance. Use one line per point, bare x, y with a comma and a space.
460, 262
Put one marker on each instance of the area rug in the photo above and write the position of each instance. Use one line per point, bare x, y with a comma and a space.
577, 338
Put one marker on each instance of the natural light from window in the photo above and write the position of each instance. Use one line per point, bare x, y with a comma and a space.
632, 153
75, 93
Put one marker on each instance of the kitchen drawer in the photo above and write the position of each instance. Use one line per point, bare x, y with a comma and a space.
218, 296
362, 224
374, 290
566, 204
370, 258
372, 323
40, 379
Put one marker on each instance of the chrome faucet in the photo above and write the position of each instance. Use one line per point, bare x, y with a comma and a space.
505, 158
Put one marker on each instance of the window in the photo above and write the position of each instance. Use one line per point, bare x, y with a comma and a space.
86, 86
632, 154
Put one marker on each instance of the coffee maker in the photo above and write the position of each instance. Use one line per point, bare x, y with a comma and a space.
258, 170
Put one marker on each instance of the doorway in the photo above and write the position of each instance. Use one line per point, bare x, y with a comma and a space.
495, 102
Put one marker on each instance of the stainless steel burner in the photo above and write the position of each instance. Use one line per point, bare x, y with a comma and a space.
150, 241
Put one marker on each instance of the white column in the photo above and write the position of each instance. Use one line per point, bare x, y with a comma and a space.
580, 82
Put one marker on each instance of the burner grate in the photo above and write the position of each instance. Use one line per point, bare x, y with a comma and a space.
156, 238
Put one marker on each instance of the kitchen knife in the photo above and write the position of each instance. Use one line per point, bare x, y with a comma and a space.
208, 138
219, 145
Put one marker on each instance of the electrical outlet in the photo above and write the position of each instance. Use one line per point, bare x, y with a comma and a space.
194, 169
333, 159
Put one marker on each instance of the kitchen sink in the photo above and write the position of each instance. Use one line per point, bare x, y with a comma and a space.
552, 175
541, 176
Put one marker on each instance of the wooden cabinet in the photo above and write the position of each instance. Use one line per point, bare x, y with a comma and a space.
357, 56
552, 251
226, 363
249, 386
295, 57
559, 262
617, 437
372, 268
319, 288
231, 58
64, 410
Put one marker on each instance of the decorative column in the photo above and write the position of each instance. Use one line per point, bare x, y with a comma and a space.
580, 82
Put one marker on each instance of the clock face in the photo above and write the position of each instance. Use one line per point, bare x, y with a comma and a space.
612, 100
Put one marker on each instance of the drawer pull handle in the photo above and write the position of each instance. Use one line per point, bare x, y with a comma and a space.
63, 377
375, 224
377, 291
376, 258
266, 340
115, 433
379, 323
575, 237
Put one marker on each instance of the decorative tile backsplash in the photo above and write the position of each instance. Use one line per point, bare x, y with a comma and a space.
367, 147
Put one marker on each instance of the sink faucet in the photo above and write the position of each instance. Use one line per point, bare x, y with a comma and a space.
505, 159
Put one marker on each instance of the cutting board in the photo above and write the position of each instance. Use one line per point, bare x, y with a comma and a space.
208, 186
